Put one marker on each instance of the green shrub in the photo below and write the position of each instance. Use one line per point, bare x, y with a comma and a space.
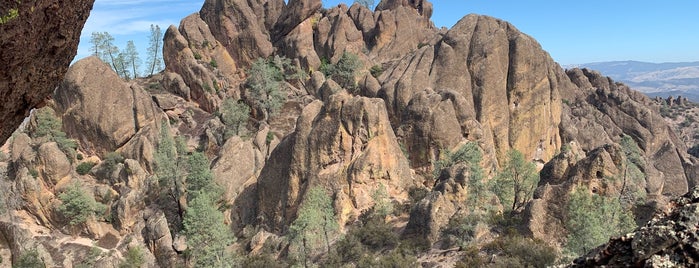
522, 251
207, 234
264, 84
344, 71
350, 249
77, 206
216, 87
376, 234
29, 259
48, 126
197, 56
592, 219
376, 71
461, 230
133, 258
213, 63
13, 13
394, 259
34, 172
471, 258
84, 167
91, 258
515, 182
111, 160
79, 157
234, 114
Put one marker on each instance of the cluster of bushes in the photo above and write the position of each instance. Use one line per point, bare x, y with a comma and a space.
345, 70
48, 127
77, 206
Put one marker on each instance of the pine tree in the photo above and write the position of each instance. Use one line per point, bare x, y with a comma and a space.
264, 86
234, 114
132, 58
314, 224
207, 235
199, 178
155, 59
592, 219
170, 167
516, 181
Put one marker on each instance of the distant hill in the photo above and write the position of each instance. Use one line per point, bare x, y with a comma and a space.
653, 79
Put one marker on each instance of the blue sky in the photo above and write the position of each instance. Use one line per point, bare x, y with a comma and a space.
571, 31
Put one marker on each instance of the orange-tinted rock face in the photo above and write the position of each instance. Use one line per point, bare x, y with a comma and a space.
37, 48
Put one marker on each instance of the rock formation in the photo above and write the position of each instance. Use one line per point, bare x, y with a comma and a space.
345, 145
38, 43
667, 240
420, 94
102, 119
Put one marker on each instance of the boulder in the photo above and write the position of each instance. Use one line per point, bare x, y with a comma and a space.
54, 162
99, 109
37, 45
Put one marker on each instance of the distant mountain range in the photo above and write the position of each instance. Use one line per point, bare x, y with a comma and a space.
653, 79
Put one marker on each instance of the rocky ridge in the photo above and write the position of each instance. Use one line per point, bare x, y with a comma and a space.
481, 82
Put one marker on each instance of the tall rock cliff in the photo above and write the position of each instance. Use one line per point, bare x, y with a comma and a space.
38, 40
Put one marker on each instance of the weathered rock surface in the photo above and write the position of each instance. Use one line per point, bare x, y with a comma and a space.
102, 118
485, 76
601, 110
206, 70
431, 214
243, 26
37, 48
346, 146
668, 240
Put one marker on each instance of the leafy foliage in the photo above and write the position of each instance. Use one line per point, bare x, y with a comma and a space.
103, 47
48, 126
112, 159
515, 183
592, 219
155, 57
376, 71
470, 155
131, 58
264, 84
78, 206
344, 71
518, 251
207, 235
133, 259
199, 179
168, 164
29, 259
382, 202
84, 167
234, 114
13, 13
314, 224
